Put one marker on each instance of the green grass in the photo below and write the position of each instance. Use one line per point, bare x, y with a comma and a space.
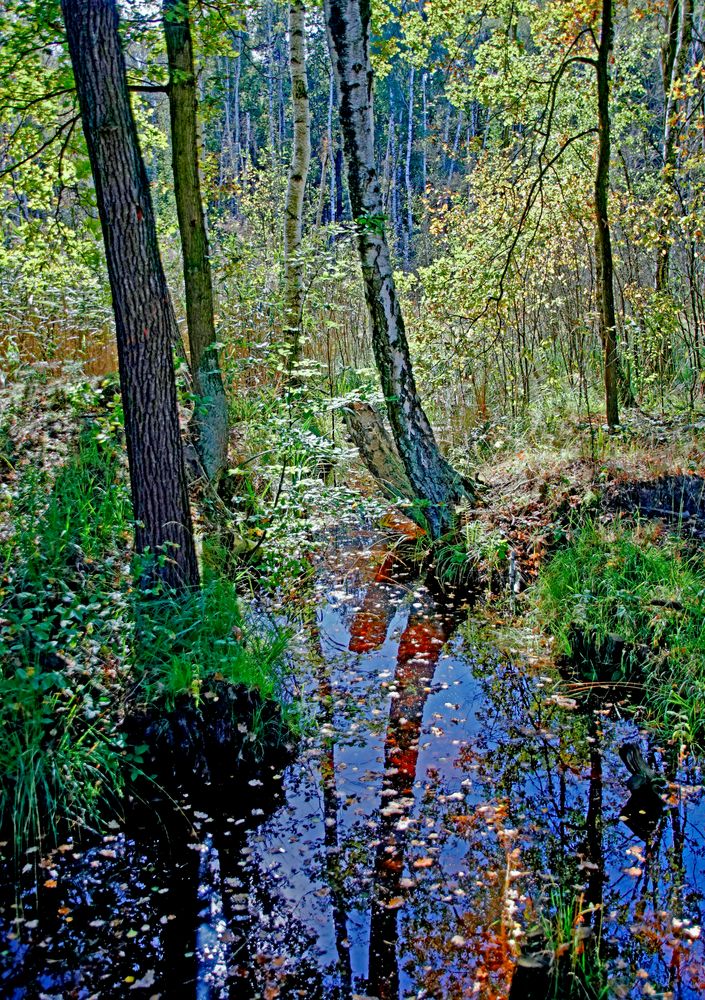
649, 588
183, 643
80, 643
570, 929
60, 748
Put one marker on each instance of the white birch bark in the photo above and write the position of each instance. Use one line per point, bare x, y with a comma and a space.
298, 172
434, 481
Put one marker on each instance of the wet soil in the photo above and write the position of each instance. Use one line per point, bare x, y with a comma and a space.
678, 500
449, 801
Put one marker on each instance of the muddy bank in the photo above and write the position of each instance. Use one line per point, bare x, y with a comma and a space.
677, 500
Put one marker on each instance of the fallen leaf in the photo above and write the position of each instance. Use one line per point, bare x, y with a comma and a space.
145, 982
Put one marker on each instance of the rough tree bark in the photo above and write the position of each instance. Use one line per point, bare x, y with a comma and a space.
603, 240
298, 172
434, 481
145, 323
210, 417
377, 450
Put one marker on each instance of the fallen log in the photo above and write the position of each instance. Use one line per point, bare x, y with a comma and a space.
377, 449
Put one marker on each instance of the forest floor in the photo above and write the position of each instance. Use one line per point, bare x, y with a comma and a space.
533, 493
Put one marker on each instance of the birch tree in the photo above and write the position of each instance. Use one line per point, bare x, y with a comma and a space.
298, 172
433, 479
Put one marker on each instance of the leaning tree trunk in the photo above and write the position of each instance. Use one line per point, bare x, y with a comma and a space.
298, 171
145, 323
434, 481
210, 416
603, 241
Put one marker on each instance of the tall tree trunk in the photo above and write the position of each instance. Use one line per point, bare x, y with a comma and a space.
210, 417
434, 481
424, 133
226, 146
603, 241
271, 122
236, 106
673, 65
145, 323
298, 172
408, 235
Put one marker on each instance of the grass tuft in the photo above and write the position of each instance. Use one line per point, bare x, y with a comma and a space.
647, 587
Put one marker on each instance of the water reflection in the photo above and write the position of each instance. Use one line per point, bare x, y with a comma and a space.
450, 804
460, 800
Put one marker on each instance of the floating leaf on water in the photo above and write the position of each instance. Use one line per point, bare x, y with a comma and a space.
147, 980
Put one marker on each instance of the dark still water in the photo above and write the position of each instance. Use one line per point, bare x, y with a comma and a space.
451, 808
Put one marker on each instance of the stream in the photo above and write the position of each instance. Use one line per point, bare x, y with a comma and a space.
450, 802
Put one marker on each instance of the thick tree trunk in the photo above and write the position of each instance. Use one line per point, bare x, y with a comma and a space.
145, 323
603, 241
298, 172
434, 481
210, 417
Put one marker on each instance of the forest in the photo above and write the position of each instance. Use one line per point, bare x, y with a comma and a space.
352, 499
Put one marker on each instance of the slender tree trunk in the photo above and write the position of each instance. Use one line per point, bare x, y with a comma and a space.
323, 189
226, 145
434, 481
456, 143
236, 110
331, 146
424, 133
603, 241
210, 418
673, 65
298, 172
145, 323
272, 124
407, 173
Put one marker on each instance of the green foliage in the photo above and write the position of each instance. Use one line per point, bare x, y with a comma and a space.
566, 923
183, 643
471, 552
649, 589
60, 748
80, 644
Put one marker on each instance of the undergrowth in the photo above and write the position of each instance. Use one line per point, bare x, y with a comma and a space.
81, 644
647, 587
